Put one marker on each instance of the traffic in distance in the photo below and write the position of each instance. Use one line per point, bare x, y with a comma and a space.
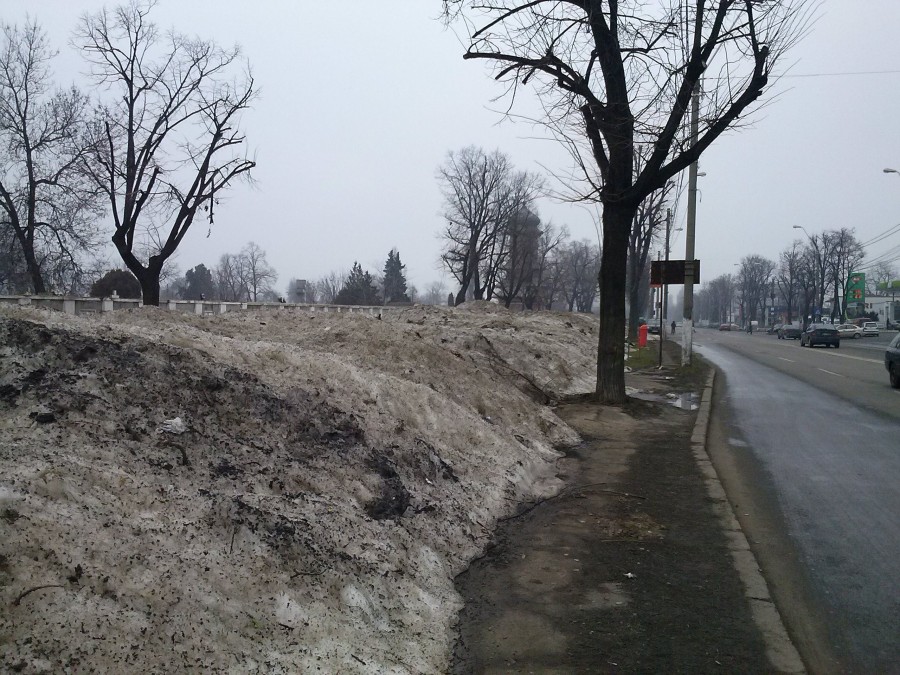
829, 335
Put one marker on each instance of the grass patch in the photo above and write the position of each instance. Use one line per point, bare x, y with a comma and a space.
692, 377
643, 358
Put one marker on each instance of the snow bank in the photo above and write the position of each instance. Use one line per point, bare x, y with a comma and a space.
326, 479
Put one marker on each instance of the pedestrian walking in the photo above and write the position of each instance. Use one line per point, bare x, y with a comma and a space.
673, 328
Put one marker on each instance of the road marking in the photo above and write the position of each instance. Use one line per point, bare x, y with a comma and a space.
855, 358
788, 360
830, 373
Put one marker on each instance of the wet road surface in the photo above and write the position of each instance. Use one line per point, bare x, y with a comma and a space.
833, 468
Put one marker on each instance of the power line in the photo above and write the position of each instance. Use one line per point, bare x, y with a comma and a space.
880, 237
848, 74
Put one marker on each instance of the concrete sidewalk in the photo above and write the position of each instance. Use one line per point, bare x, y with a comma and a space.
637, 566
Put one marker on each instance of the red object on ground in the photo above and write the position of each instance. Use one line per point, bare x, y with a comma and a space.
642, 336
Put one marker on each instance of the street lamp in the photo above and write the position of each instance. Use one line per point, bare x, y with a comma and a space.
819, 264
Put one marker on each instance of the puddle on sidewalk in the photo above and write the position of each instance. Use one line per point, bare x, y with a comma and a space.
685, 401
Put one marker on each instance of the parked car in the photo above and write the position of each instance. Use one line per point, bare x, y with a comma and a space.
892, 361
820, 334
870, 329
848, 330
789, 331
729, 326
773, 329
653, 327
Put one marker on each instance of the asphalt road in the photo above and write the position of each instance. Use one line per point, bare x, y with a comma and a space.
816, 433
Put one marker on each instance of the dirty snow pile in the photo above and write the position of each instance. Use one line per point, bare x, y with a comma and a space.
276, 491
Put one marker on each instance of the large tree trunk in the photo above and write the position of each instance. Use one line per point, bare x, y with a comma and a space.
31, 264
617, 219
34, 271
634, 298
150, 289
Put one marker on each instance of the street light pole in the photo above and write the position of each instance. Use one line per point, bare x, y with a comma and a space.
665, 311
816, 280
893, 301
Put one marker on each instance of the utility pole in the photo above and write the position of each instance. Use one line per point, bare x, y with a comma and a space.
687, 332
666, 286
662, 328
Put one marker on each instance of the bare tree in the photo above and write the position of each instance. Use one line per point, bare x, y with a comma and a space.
522, 234
788, 277
482, 194
650, 222
820, 254
755, 284
48, 205
330, 285
260, 275
231, 278
616, 74
847, 254
435, 293
13, 273
808, 283
168, 141
579, 262
538, 293
715, 299
880, 275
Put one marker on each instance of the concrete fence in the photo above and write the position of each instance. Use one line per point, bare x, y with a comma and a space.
83, 306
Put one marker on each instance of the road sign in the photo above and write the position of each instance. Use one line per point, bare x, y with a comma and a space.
674, 272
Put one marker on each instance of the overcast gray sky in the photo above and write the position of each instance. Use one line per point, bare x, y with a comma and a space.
360, 102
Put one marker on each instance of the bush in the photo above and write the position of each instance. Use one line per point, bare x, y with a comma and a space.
123, 282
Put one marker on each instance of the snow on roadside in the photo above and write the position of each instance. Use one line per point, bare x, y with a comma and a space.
334, 474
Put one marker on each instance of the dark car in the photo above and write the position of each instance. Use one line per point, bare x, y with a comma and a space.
789, 331
892, 361
820, 334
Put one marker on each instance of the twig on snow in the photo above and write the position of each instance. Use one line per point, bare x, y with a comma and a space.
19, 599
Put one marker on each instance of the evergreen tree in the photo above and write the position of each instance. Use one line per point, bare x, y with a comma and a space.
359, 289
198, 284
394, 279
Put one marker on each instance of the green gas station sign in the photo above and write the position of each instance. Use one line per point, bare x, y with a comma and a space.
856, 288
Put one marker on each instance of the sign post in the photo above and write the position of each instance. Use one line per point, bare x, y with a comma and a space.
677, 272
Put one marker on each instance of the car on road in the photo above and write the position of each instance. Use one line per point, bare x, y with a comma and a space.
729, 326
820, 334
653, 327
849, 330
870, 329
892, 361
773, 329
789, 331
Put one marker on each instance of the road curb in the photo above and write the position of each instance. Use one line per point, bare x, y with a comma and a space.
781, 652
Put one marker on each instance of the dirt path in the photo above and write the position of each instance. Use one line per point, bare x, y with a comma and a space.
626, 571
